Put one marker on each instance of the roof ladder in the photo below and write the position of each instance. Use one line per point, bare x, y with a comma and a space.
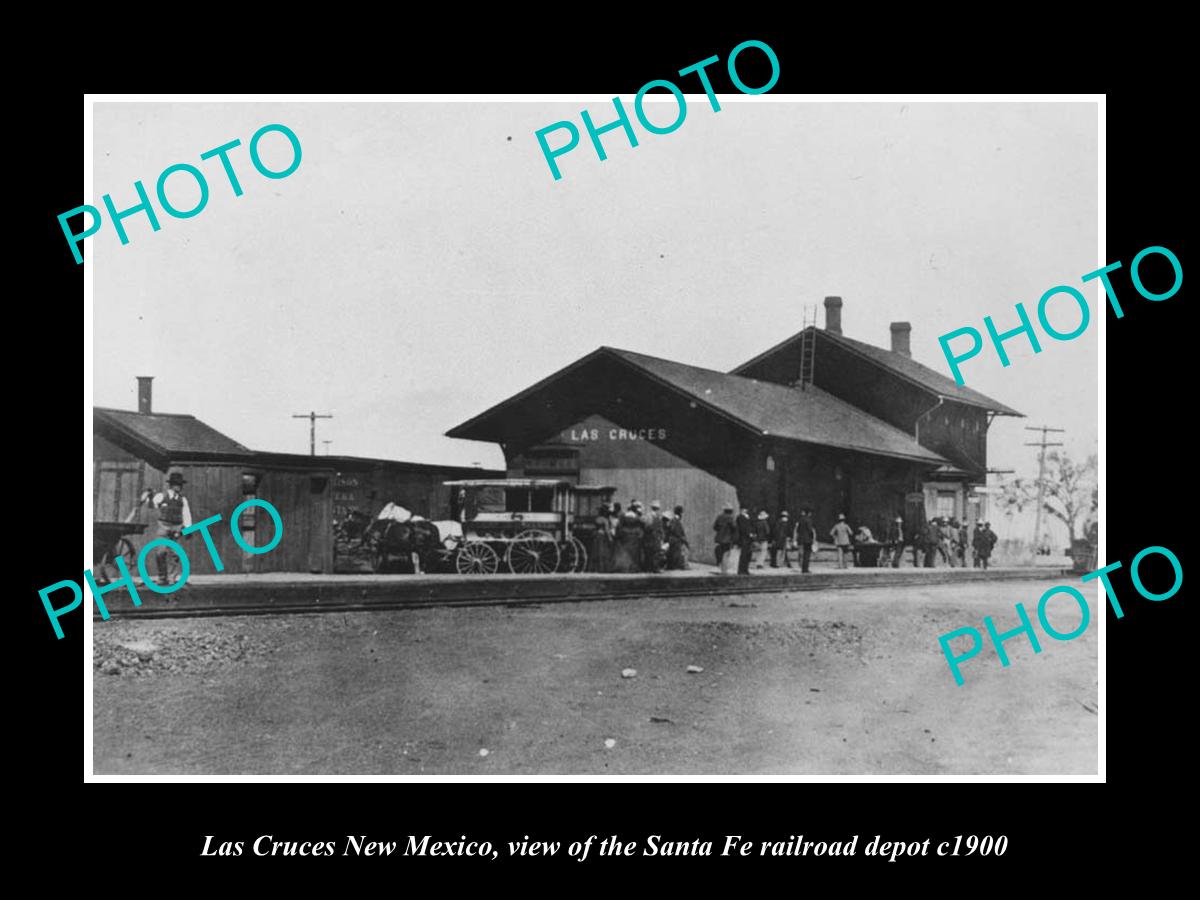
808, 346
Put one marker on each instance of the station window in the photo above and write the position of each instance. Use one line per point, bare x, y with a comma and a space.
486, 499
555, 462
522, 500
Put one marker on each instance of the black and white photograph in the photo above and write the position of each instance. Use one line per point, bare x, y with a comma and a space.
489, 437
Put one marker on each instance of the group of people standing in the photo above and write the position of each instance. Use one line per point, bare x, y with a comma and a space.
755, 540
948, 539
637, 540
641, 540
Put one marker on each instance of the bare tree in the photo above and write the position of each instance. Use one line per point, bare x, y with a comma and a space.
1071, 491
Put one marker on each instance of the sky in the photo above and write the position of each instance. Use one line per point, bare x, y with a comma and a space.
422, 264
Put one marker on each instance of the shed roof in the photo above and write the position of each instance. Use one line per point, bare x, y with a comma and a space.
900, 365
168, 436
344, 463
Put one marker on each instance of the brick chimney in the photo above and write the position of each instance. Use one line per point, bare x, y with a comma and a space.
901, 335
144, 393
833, 314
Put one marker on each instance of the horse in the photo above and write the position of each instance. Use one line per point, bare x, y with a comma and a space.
387, 538
353, 528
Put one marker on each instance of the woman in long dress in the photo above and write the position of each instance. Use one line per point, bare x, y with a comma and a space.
602, 541
677, 542
628, 546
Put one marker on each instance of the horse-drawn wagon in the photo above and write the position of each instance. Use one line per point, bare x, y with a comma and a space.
521, 526
531, 526
526, 526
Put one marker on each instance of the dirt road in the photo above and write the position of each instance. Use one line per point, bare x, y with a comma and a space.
846, 682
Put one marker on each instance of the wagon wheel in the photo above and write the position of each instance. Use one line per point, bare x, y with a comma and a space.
123, 549
476, 558
573, 556
533, 553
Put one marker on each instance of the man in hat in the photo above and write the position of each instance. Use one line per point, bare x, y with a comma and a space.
987, 543
745, 539
725, 536
805, 536
843, 539
930, 536
784, 539
961, 542
174, 515
946, 535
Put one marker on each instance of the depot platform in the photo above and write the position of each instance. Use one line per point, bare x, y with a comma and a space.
289, 593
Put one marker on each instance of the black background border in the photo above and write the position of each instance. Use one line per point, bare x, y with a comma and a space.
1047, 824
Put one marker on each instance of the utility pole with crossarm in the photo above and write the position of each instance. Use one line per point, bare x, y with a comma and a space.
312, 430
1041, 481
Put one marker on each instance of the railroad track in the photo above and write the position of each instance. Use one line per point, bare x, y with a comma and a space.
302, 598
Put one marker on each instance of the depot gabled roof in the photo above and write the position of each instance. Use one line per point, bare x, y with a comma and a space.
764, 408
897, 364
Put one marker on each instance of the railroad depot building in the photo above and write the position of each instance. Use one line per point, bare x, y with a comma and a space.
134, 451
819, 420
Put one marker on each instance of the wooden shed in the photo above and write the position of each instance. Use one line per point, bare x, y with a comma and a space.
135, 451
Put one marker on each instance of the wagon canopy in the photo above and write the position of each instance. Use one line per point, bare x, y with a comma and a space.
510, 482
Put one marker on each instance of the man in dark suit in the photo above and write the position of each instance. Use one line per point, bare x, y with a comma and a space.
725, 536
745, 538
931, 537
805, 535
784, 540
989, 544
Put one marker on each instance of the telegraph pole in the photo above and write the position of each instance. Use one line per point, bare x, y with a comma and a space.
1041, 481
312, 430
